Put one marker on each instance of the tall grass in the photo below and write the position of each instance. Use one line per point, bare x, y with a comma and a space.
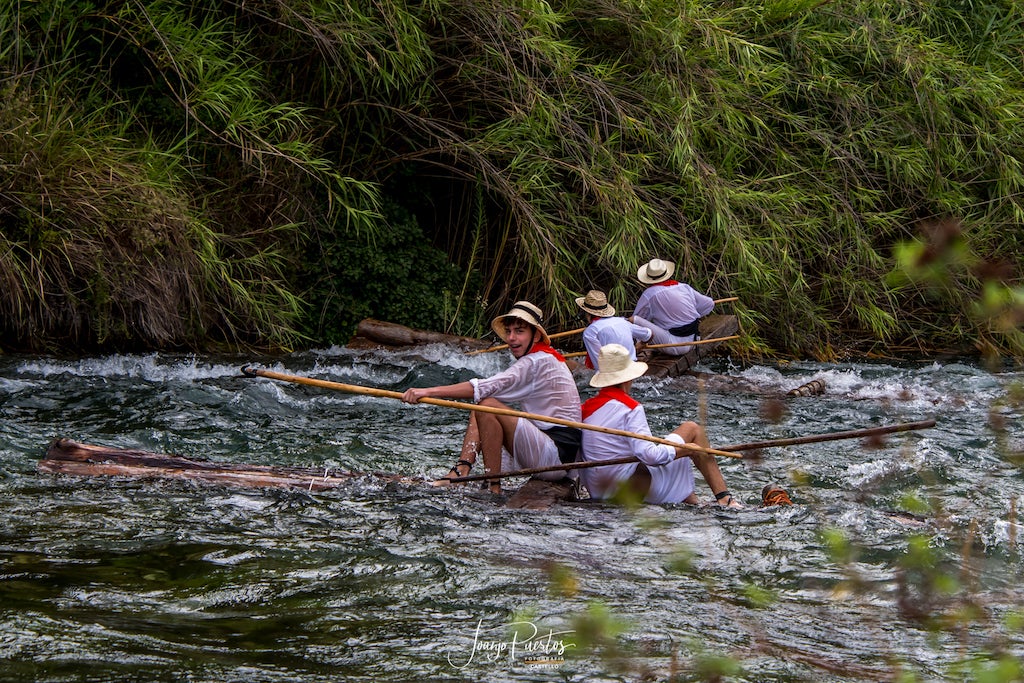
779, 152
779, 158
785, 152
101, 245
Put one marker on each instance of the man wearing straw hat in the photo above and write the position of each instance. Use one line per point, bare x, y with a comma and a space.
607, 328
663, 473
671, 309
539, 381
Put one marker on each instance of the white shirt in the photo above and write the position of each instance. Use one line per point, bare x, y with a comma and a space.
613, 330
672, 305
539, 383
671, 477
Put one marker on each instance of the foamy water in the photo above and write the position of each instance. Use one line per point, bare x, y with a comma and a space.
134, 579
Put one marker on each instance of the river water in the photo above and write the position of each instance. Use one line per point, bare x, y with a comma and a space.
899, 557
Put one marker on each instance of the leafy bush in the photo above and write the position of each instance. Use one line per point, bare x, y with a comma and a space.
394, 275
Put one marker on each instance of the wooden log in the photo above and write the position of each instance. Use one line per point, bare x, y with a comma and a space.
65, 456
713, 326
815, 387
394, 335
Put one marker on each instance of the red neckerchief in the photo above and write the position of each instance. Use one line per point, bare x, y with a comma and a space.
591, 405
541, 346
665, 283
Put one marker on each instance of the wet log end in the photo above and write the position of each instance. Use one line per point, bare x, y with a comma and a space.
815, 387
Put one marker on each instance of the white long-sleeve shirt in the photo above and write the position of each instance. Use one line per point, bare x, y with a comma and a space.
671, 477
663, 307
672, 305
613, 330
538, 383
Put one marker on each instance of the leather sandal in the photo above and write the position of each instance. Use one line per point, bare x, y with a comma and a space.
454, 471
726, 499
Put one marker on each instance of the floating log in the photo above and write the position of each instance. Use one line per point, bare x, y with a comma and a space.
370, 332
711, 327
815, 387
65, 456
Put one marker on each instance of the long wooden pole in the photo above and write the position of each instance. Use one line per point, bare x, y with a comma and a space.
662, 346
690, 343
384, 393
502, 347
758, 445
559, 335
567, 333
833, 436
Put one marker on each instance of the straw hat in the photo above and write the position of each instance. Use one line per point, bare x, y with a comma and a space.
614, 366
655, 271
596, 303
525, 311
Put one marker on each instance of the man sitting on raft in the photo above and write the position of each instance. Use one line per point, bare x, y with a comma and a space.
671, 309
539, 381
664, 474
604, 327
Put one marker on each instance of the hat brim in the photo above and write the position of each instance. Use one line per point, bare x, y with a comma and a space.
498, 325
607, 379
606, 312
642, 274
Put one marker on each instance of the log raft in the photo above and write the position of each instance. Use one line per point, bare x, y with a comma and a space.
66, 456
661, 365
377, 333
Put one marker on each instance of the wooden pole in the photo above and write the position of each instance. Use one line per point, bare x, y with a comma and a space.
662, 346
502, 347
815, 438
384, 393
568, 333
834, 436
690, 343
559, 335
587, 464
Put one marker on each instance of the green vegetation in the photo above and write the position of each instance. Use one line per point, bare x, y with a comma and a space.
180, 174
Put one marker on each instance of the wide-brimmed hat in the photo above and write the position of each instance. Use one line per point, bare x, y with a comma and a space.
525, 311
655, 271
614, 366
595, 303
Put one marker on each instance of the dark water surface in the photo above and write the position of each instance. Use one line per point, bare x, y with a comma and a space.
113, 579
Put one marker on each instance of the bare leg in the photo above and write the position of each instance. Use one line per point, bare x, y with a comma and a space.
492, 438
471, 447
471, 441
486, 434
706, 463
